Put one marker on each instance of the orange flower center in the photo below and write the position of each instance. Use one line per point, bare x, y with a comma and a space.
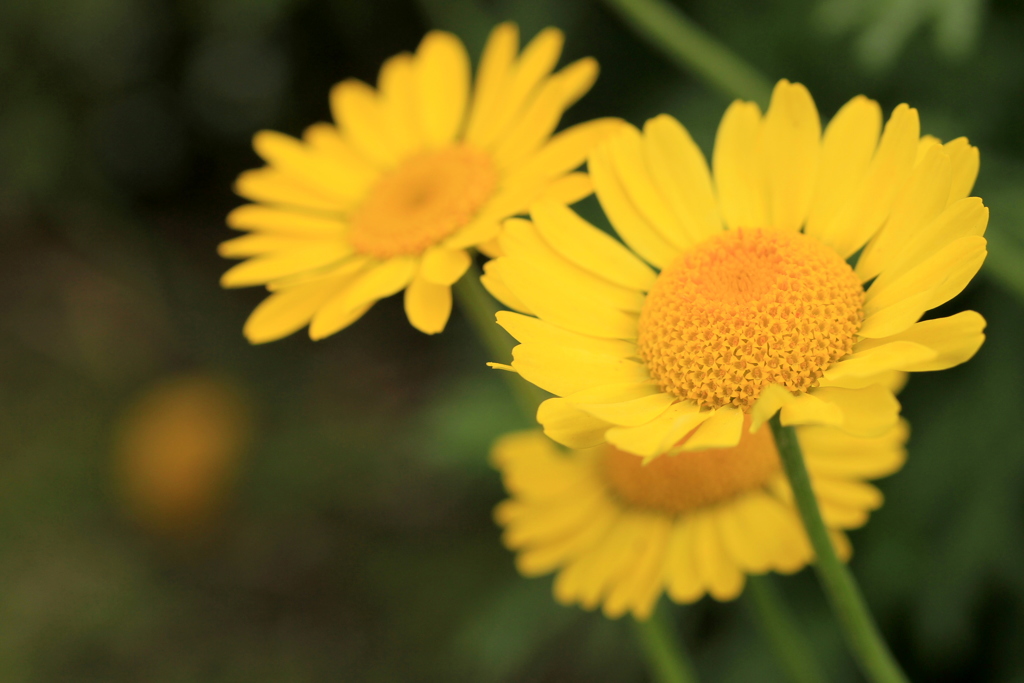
421, 202
689, 480
746, 309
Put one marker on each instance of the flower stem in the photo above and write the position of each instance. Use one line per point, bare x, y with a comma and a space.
659, 640
855, 620
780, 628
657, 636
691, 48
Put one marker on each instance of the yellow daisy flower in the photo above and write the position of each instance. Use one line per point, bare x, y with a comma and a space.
412, 175
619, 533
755, 307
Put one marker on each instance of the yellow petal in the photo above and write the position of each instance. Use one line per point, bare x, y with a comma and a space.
810, 409
952, 341
831, 452
563, 152
891, 307
357, 110
288, 311
542, 114
442, 76
573, 309
568, 189
629, 413
397, 84
868, 206
272, 186
960, 219
590, 248
641, 237
847, 493
721, 577
524, 247
722, 430
493, 73
615, 393
483, 228
262, 269
680, 171
428, 305
739, 182
536, 62
642, 576
918, 205
965, 162
682, 582
330, 177
868, 412
535, 331
444, 266
370, 285
325, 140
284, 222
569, 425
259, 243
660, 434
846, 150
791, 149
627, 154
870, 360
496, 288
564, 371
773, 397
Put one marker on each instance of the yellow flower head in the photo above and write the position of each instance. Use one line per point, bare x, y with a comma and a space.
412, 175
755, 308
619, 533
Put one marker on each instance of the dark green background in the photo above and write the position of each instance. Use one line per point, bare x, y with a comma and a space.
358, 544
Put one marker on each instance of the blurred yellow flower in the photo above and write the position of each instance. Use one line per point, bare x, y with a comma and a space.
412, 175
619, 533
177, 449
755, 308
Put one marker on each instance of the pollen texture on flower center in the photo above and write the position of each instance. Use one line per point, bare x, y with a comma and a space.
424, 200
746, 309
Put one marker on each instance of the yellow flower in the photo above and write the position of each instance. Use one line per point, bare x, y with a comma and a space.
755, 307
414, 173
619, 533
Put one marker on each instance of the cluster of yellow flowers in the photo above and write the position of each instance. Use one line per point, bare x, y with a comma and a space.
789, 276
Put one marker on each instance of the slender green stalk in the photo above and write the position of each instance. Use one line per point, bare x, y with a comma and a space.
657, 636
855, 620
780, 628
691, 48
659, 640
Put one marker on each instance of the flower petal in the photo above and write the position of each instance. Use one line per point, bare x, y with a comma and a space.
428, 305
442, 75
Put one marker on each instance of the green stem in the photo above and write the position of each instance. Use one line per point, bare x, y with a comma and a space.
479, 308
657, 636
855, 620
691, 48
780, 628
659, 640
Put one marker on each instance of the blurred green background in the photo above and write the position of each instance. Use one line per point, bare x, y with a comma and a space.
176, 505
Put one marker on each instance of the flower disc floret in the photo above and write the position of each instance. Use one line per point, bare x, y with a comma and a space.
693, 480
747, 309
424, 200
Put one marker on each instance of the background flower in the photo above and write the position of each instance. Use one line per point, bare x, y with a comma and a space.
620, 533
411, 175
